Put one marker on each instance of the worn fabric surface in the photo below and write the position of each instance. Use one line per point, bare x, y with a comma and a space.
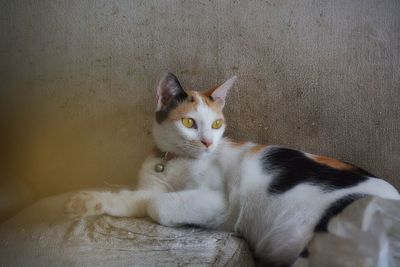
78, 80
41, 236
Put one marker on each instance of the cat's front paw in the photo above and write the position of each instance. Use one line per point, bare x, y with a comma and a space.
83, 204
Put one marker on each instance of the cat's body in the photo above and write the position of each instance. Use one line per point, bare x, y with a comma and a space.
273, 196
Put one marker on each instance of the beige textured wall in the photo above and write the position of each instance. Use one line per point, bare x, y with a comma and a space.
78, 77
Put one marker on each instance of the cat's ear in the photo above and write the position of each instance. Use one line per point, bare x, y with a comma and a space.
219, 94
168, 90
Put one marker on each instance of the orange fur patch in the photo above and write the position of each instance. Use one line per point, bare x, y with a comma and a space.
237, 144
191, 103
210, 103
334, 163
210, 91
257, 148
188, 105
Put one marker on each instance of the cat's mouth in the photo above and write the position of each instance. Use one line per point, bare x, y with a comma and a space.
208, 149
195, 148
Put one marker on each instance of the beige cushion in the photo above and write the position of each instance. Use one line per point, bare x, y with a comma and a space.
41, 235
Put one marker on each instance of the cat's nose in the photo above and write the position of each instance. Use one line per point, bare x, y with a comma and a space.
206, 142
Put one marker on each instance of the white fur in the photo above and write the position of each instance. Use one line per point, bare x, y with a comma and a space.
227, 190
222, 187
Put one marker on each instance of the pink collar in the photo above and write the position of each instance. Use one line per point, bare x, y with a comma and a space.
165, 156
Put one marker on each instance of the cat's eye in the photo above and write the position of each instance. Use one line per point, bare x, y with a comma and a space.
217, 124
188, 122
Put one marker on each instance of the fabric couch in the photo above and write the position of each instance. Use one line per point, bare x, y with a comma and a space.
77, 85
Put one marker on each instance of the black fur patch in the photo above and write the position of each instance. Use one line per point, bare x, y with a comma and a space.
305, 253
293, 167
336, 207
360, 171
173, 100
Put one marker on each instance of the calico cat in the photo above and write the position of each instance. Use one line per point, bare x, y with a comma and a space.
274, 197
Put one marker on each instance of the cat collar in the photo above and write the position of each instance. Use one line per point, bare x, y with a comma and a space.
165, 157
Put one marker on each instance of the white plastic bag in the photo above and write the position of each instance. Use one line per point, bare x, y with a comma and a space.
365, 234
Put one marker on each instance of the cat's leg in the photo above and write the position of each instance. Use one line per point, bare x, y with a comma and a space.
125, 203
200, 207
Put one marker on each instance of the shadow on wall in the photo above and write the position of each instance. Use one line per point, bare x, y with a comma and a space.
70, 148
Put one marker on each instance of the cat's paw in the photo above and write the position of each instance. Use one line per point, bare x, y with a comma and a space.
83, 204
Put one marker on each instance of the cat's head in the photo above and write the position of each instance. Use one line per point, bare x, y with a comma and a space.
189, 123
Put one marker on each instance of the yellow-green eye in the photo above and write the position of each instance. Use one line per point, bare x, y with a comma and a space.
188, 122
217, 124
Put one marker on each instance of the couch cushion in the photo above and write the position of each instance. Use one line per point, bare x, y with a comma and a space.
42, 235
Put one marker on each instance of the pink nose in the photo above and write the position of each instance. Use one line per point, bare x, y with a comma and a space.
206, 142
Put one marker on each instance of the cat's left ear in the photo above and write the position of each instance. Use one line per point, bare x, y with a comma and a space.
219, 94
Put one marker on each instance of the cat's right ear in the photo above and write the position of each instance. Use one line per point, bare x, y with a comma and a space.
168, 90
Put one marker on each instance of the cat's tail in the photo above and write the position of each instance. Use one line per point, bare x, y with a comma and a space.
380, 188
